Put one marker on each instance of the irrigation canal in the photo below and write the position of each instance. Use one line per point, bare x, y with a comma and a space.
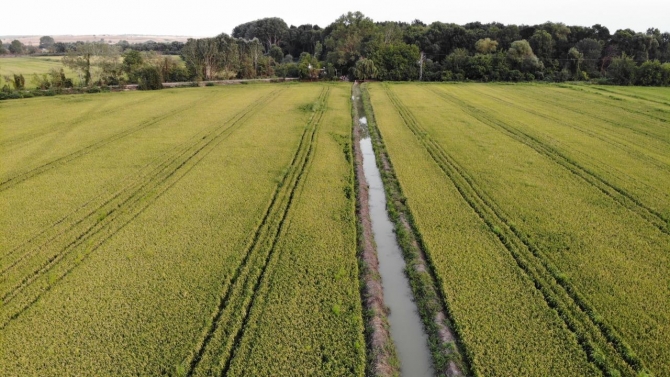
405, 323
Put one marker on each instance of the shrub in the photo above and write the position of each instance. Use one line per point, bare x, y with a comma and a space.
149, 78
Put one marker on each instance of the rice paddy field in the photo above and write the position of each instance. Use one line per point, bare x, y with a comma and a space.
181, 232
545, 213
213, 231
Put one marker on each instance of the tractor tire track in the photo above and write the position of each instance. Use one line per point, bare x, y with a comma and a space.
117, 214
601, 96
21, 177
614, 143
594, 335
134, 183
216, 348
618, 194
55, 127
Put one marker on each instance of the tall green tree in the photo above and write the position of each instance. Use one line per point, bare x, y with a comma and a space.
521, 57
591, 51
542, 44
95, 60
352, 36
365, 69
486, 46
622, 70
16, 47
47, 42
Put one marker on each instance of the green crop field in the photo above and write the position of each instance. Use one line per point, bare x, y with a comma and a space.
213, 231
28, 66
545, 212
181, 232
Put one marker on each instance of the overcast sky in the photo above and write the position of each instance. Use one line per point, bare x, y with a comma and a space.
211, 17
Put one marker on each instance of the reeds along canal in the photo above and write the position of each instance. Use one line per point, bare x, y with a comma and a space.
406, 328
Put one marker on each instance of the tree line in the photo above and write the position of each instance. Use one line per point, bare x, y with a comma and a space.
356, 47
359, 48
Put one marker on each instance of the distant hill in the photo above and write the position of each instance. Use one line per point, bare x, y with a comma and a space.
111, 38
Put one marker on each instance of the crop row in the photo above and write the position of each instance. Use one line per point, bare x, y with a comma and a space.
598, 137
215, 351
493, 305
615, 192
602, 343
306, 317
141, 303
17, 178
48, 258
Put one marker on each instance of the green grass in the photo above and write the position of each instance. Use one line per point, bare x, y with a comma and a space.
28, 66
561, 193
147, 241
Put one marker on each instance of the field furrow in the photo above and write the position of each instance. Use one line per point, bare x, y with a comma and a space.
321, 283
166, 258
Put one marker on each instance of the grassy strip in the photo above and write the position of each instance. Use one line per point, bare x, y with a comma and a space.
449, 358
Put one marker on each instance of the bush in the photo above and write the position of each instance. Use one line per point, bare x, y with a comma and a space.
94, 89
209, 84
149, 78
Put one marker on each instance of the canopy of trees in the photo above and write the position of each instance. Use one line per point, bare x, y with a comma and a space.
356, 46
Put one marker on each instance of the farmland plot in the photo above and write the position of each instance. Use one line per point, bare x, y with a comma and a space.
566, 189
144, 233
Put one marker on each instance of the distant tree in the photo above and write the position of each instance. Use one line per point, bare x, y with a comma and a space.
352, 36
397, 62
149, 78
47, 42
591, 50
132, 63
277, 53
269, 31
486, 46
16, 47
622, 70
542, 44
308, 66
3, 50
87, 56
19, 82
653, 73
521, 57
575, 62
202, 56
365, 69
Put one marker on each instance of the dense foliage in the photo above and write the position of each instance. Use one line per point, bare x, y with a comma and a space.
415, 51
